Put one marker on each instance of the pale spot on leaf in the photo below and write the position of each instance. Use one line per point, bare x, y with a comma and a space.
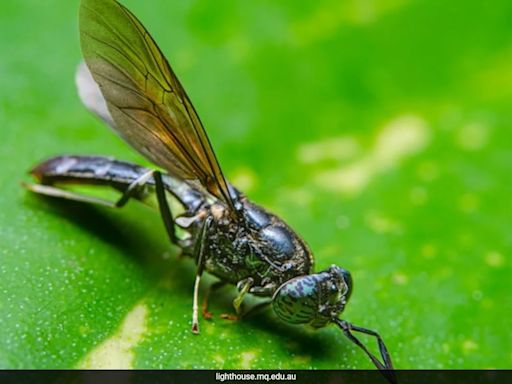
494, 259
332, 15
244, 179
219, 359
469, 346
302, 360
342, 222
350, 179
117, 351
382, 224
403, 137
400, 278
339, 148
300, 197
247, 358
429, 251
473, 137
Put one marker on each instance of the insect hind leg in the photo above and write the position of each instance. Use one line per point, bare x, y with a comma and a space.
48, 190
163, 206
137, 186
133, 190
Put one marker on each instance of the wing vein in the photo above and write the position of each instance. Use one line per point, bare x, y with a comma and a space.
148, 105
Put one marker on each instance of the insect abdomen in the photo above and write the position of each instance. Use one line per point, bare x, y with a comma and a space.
89, 169
100, 170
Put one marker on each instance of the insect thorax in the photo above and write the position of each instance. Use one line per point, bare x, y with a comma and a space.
256, 245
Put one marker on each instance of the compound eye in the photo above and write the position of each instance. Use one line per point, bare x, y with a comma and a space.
333, 288
296, 301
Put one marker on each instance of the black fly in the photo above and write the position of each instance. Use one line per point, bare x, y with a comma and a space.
127, 82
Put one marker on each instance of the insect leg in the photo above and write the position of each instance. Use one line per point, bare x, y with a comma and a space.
244, 286
165, 210
131, 191
49, 190
237, 302
135, 187
163, 205
387, 367
199, 257
214, 287
382, 347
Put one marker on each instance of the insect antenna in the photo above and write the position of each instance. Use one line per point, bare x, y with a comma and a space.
386, 368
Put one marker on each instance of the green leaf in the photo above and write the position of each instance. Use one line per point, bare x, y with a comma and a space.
380, 133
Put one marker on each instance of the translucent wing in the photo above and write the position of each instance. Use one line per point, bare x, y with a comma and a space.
91, 95
146, 101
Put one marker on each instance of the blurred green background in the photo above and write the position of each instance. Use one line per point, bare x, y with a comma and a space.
380, 130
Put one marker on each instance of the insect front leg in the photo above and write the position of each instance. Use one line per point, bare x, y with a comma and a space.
199, 250
387, 367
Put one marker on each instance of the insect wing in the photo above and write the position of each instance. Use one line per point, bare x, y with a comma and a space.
91, 96
148, 105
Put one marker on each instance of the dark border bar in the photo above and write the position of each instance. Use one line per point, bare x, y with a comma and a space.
234, 376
